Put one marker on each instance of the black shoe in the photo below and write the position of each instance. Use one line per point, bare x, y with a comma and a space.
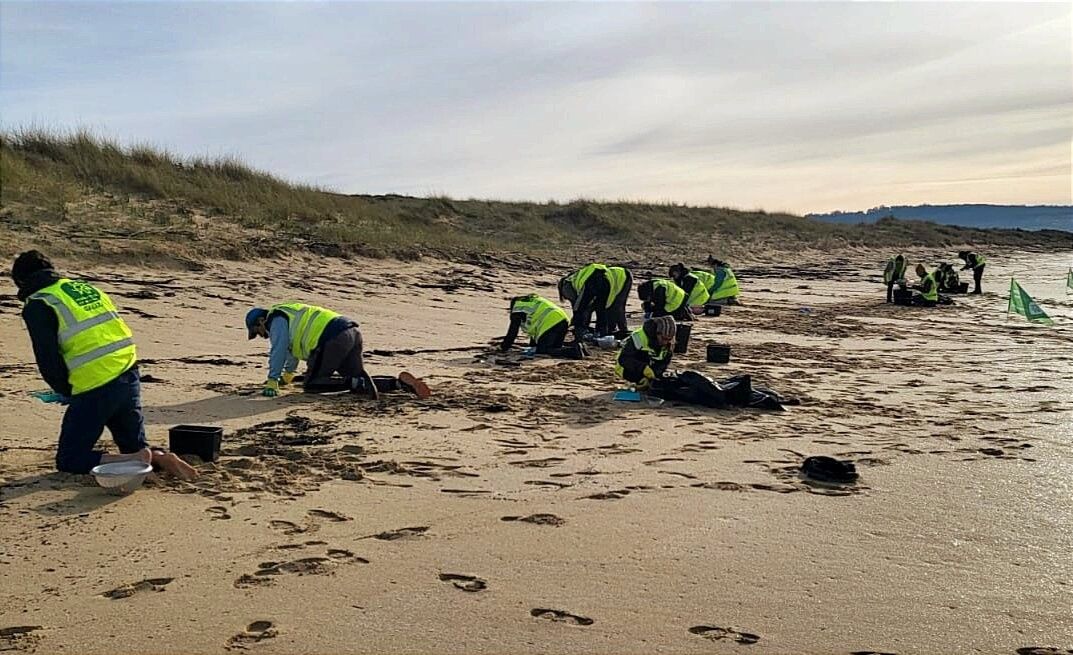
363, 384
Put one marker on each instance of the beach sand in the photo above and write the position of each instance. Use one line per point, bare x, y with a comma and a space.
520, 510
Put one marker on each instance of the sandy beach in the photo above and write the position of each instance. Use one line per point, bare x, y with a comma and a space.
520, 510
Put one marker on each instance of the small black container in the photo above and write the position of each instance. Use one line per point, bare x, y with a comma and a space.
713, 310
963, 287
681, 338
201, 440
718, 354
903, 297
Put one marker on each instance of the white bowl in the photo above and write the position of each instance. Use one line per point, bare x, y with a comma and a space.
121, 477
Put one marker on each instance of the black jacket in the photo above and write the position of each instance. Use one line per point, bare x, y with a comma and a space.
593, 296
971, 262
633, 360
44, 329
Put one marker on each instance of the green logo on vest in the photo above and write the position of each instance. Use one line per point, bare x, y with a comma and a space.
81, 293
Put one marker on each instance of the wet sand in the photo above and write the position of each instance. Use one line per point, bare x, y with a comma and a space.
520, 510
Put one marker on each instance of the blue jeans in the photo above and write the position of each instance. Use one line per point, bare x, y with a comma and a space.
117, 406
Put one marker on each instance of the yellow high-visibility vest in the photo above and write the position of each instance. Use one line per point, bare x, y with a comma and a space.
307, 323
97, 346
541, 315
675, 295
699, 295
729, 286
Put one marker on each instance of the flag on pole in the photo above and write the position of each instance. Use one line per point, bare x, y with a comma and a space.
1022, 303
1069, 280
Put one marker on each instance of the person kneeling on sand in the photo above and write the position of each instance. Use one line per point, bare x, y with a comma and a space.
928, 288
329, 342
646, 354
696, 284
662, 297
545, 323
86, 353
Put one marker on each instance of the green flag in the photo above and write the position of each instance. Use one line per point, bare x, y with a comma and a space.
1022, 303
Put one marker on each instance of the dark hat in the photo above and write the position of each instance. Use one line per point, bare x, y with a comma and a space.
252, 317
29, 263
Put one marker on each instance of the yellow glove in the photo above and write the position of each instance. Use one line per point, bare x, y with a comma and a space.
271, 388
287, 378
649, 373
643, 384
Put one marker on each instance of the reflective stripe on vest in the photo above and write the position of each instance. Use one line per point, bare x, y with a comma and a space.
640, 341
706, 278
306, 324
728, 288
581, 276
699, 295
979, 261
617, 276
932, 290
541, 315
674, 294
894, 271
96, 345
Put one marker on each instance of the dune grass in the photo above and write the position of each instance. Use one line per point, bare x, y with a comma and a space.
105, 196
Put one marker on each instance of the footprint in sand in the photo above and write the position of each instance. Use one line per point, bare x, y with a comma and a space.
872, 652
715, 633
303, 566
287, 527
560, 616
218, 512
464, 582
127, 590
401, 533
1043, 650
255, 632
614, 494
537, 519
329, 515
18, 637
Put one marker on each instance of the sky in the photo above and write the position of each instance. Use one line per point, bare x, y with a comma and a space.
791, 106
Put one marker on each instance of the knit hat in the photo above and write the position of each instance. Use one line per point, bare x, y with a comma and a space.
664, 326
27, 264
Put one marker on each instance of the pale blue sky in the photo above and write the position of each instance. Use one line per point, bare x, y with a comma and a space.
784, 106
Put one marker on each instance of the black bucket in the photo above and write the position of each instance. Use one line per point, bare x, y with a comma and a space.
713, 310
681, 338
903, 297
718, 354
201, 440
963, 287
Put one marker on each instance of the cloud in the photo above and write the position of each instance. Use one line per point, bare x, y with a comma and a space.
772, 105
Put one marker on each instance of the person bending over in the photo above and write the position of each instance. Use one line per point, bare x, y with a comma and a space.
976, 263
662, 297
544, 322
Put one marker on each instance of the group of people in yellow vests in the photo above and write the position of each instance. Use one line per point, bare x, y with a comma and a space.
943, 279
86, 353
602, 290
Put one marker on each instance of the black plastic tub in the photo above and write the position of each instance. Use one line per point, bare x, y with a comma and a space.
963, 287
681, 338
201, 440
718, 354
713, 310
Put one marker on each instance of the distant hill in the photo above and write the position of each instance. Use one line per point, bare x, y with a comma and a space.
1024, 217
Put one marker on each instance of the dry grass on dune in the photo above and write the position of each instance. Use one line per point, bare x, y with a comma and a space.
79, 194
